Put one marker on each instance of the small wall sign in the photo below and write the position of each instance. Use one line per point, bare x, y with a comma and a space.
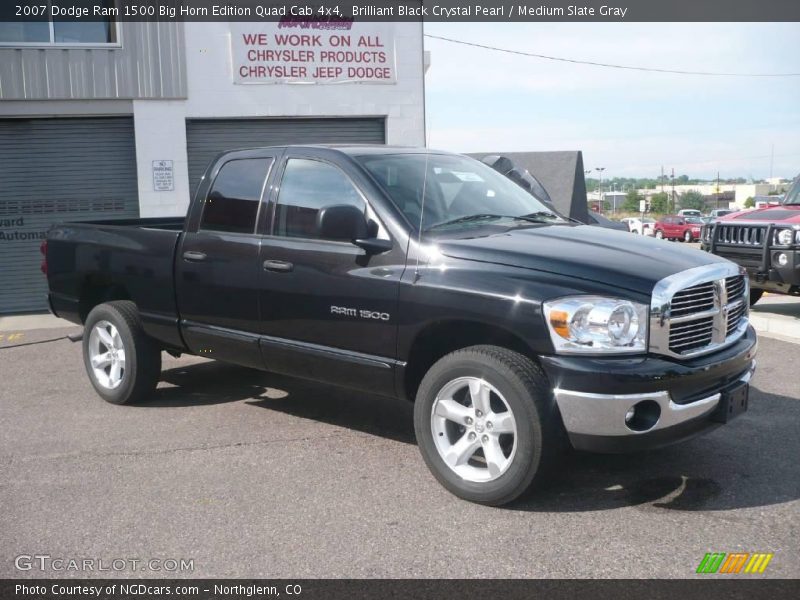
163, 176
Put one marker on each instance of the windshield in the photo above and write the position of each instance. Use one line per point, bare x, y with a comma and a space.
460, 192
793, 195
695, 220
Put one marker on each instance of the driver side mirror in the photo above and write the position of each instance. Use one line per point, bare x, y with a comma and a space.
344, 222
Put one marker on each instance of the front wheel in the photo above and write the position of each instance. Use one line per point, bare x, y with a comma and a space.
687, 236
487, 424
660, 234
123, 364
755, 296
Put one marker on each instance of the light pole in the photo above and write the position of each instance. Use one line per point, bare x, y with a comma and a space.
600, 186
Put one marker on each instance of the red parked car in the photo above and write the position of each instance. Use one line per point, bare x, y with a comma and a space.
675, 227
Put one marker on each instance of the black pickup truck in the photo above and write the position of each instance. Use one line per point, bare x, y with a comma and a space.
426, 276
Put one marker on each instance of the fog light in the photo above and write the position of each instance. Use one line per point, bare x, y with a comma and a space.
643, 416
782, 259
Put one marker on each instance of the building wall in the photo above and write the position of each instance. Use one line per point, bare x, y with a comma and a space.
164, 74
149, 63
160, 125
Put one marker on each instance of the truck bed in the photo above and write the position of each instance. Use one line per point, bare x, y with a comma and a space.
128, 258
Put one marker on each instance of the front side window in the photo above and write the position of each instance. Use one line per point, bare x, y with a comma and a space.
443, 192
308, 186
42, 29
232, 202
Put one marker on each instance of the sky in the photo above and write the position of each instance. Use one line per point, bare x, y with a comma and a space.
630, 122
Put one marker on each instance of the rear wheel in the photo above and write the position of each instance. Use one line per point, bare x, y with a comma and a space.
122, 362
487, 424
660, 234
755, 296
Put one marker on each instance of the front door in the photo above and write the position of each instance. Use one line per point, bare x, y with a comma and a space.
328, 309
218, 267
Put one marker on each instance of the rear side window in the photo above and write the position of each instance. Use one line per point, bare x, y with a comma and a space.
232, 201
308, 186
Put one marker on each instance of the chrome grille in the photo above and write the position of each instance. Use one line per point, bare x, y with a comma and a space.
698, 298
690, 335
735, 287
741, 235
698, 311
735, 314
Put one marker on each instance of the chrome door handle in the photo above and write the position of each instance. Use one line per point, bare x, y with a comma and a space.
278, 266
193, 256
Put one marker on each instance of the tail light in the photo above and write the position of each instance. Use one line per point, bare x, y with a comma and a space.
43, 250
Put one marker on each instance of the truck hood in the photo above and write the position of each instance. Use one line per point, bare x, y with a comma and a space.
785, 213
632, 262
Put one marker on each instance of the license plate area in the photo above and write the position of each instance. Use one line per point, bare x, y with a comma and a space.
733, 402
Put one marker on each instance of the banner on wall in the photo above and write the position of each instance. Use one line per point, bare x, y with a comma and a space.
313, 52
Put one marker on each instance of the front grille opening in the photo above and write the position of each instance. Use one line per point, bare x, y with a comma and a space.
735, 287
735, 315
696, 299
691, 335
741, 235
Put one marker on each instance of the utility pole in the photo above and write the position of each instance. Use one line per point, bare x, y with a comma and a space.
771, 160
717, 189
672, 197
600, 187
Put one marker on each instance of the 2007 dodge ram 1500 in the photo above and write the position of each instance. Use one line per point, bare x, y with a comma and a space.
426, 276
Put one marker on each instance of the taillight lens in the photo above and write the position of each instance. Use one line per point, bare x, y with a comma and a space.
43, 250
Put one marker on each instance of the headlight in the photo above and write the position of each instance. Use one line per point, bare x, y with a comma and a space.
596, 325
784, 237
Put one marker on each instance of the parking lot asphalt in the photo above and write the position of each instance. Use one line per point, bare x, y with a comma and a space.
253, 475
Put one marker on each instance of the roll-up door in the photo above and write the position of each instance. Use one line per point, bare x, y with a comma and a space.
54, 171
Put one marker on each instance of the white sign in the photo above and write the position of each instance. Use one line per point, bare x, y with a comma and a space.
313, 52
642, 205
163, 176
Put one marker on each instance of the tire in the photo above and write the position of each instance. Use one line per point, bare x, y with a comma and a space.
687, 236
755, 296
127, 362
660, 234
513, 384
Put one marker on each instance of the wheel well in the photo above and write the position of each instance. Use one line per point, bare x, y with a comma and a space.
96, 292
445, 337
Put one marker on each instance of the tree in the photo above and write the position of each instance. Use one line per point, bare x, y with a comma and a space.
659, 203
631, 203
692, 199
750, 203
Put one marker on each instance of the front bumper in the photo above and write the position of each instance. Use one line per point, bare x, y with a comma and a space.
595, 394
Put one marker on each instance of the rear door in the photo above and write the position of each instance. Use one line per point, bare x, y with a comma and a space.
328, 309
217, 264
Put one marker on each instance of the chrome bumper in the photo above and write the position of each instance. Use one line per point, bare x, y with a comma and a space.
592, 414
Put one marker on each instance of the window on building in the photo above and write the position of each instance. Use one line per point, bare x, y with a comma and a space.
232, 203
308, 186
43, 30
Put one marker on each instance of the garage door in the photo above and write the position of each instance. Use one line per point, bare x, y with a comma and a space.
52, 171
208, 137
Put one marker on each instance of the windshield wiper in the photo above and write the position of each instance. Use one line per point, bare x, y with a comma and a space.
539, 215
531, 218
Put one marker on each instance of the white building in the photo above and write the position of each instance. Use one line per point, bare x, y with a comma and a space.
119, 120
